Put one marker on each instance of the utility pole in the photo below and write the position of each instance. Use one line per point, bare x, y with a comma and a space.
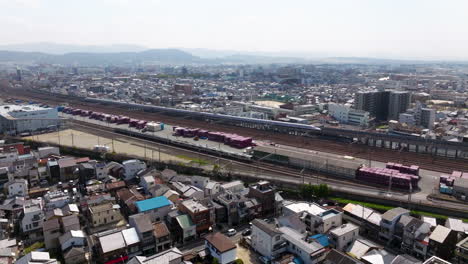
73, 139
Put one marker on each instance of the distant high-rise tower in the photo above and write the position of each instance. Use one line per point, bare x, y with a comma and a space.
18, 74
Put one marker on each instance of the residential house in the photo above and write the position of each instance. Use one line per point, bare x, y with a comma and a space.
185, 230
432, 221
360, 247
51, 233
367, 219
292, 221
414, 235
458, 226
264, 192
338, 257
405, 259
68, 169
389, 222
435, 260
117, 245
147, 182
343, 236
461, 252
266, 239
104, 214
33, 219
127, 198
144, 227
316, 218
168, 174
171, 256
199, 214
212, 188
70, 222
132, 167
309, 252
86, 172
157, 208
162, 236
377, 256
221, 248
233, 187
53, 170
36, 257
57, 199
75, 255
73, 238
172, 196
100, 171
158, 190
188, 191
442, 242
17, 187
200, 181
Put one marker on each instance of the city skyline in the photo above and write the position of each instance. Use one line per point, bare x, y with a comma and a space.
396, 29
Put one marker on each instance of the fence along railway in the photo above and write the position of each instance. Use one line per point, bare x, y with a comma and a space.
436, 154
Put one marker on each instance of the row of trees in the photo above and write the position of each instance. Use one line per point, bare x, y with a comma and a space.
309, 191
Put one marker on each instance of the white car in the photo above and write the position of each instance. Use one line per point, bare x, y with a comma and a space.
231, 232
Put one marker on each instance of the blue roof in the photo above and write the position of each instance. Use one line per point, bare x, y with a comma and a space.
153, 203
322, 239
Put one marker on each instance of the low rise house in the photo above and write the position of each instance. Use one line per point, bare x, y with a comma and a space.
68, 169
33, 219
343, 236
51, 233
234, 186
117, 245
414, 235
367, 219
267, 240
309, 252
147, 182
338, 257
221, 248
316, 218
171, 256
264, 192
172, 196
162, 236
186, 230
70, 222
212, 188
104, 214
144, 227
199, 214
17, 187
132, 167
73, 238
36, 257
461, 252
157, 208
442, 242
75, 255
389, 222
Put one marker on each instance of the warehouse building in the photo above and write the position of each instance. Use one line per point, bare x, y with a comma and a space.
15, 119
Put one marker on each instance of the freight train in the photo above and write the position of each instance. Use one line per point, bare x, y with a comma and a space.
394, 175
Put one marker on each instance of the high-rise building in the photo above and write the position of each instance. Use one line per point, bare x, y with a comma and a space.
427, 117
399, 102
375, 102
383, 105
18, 74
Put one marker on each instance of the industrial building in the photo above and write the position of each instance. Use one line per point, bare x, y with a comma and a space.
16, 119
345, 114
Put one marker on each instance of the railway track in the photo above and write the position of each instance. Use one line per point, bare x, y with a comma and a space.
255, 166
360, 151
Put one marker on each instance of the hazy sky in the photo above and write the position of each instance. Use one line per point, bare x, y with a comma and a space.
390, 28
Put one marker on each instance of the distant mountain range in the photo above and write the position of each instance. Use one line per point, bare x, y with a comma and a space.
133, 54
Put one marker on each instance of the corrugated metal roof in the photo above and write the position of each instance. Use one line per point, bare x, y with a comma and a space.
130, 236
153, 203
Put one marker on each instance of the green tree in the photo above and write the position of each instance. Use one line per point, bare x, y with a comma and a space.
215, 261
239, 261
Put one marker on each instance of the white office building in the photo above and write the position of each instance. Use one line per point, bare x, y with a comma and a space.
16, 119
347, 115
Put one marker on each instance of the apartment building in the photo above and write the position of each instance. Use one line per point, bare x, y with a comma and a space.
199, 214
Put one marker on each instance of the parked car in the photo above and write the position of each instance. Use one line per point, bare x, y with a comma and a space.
247, 232
231, 232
